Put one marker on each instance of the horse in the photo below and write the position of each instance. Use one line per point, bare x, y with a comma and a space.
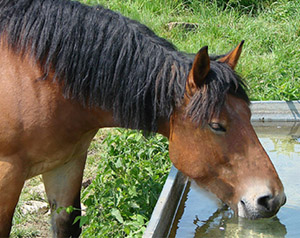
67, 70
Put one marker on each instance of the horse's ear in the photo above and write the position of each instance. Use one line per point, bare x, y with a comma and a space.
232, 57
200, 68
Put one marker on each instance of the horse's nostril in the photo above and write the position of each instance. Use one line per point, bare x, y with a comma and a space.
265, 201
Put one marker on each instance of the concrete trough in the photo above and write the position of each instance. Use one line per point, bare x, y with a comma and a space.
284, 115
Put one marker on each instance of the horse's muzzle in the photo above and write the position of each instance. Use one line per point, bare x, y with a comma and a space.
261, 206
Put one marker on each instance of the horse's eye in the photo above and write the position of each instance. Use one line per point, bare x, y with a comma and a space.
217, 127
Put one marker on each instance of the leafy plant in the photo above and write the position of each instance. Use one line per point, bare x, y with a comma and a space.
121, 198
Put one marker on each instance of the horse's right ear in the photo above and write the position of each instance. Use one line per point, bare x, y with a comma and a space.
200, 69
232, 57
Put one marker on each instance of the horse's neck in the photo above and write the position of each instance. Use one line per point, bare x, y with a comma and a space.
46, 96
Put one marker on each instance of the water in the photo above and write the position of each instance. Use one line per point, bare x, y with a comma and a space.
202, 215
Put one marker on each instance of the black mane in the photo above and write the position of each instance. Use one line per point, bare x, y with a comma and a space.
107, 60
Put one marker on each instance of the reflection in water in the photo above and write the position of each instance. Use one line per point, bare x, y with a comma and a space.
223, 224
201, 216
283, 145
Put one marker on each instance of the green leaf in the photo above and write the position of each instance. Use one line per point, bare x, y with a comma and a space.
69, 209
134, 205
116, 213
127, 230
119, 163
132, 191
83, 220
58, 210
140, 219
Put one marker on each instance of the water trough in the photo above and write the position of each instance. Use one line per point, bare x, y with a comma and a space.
285, 116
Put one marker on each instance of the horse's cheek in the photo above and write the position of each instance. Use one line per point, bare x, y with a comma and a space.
186, 158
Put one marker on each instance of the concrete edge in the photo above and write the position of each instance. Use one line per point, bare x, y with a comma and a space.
166, 206
275, 111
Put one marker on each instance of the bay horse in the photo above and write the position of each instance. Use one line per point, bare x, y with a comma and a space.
67, 70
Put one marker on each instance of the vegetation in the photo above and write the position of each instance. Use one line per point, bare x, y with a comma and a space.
129, 179
132, 169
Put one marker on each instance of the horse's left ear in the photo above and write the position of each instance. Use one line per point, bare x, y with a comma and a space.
200, 69
232, 57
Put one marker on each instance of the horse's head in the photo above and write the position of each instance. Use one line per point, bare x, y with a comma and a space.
213, 142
